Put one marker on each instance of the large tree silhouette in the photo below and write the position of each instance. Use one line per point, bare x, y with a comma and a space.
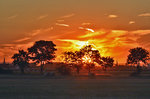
42, 52
21, 59
86, 55
90, 56
138, 55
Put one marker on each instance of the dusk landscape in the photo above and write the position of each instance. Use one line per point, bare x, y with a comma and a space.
74, 49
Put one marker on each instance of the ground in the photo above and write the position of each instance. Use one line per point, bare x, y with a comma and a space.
40, 87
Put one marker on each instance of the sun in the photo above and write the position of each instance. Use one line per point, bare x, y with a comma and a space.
86, 59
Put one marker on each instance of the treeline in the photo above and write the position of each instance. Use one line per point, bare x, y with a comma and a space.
43, 52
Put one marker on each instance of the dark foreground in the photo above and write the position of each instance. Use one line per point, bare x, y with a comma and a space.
39, 87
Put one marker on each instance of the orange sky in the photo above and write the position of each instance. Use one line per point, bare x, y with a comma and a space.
113, 26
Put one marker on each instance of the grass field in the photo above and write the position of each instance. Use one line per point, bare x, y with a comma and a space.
39, 87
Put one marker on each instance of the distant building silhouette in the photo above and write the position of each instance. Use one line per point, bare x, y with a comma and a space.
4, 61
4, 65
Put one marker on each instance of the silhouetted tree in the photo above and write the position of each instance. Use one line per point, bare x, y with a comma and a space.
138, 55
42, 52
86, 55
21, 59
73, 59
90, 56
69, 57
107, 62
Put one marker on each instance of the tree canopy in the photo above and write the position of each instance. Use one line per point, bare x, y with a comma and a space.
42, 52
21, 59
107, 62
138, 55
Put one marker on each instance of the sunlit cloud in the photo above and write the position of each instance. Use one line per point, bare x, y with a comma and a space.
34, 32
141, 32
88, 29
23, 39
42, 17
112, 16
86, 24
91, 30
118, 32
131, 22
89, 35
12, 17
60, 20
40, 31
75, 44
93, 34
68, 16
144, 15
59, 24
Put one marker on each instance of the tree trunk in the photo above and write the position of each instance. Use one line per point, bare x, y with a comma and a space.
139, 69
42, 67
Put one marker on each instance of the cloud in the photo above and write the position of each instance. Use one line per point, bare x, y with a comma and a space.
42, 17
34, 32
89, 35
60, 20
22, 39
140, 32
144, 15
112, 16
86, 24
40, 31
88, 29
131, 22
68, 16
12, 17
59, 24
74, 44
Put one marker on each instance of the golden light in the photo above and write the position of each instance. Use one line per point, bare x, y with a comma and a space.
80, 44
86, 59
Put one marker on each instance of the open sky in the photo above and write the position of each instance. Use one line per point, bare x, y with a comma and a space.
111, 26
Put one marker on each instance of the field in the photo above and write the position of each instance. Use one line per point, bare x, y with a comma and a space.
40, 87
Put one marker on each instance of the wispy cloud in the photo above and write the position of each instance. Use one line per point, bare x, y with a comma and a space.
90, 35
12, 17
131, 22
112, 16
144, 15
42, 17
140, 32
59, 24
88, 29
60, 20
22, 39
86, 23
68, 16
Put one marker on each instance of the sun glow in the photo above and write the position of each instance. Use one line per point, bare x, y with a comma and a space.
86, 59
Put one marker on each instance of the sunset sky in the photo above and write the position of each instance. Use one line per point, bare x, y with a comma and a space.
111, 26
